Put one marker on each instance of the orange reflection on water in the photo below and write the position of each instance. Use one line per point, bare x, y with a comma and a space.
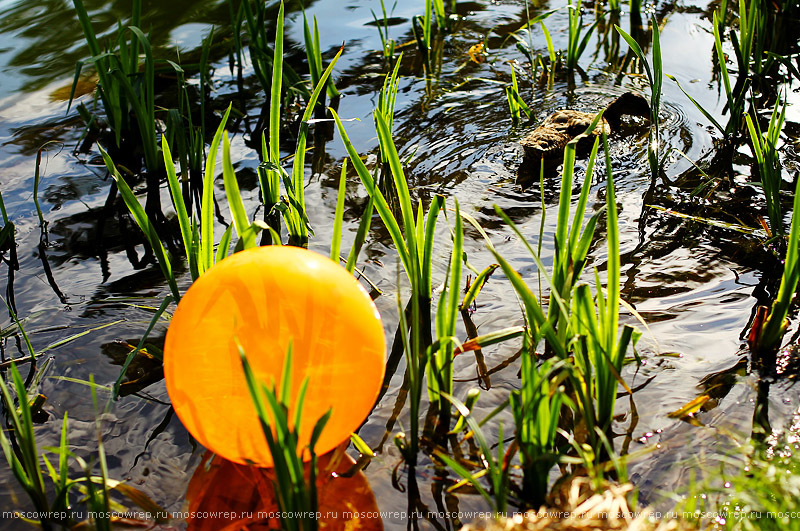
227, 496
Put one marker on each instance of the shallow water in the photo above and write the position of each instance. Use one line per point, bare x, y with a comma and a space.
696, 285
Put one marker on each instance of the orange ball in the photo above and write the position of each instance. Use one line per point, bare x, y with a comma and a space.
267, 298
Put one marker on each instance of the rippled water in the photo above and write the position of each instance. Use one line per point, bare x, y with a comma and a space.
696, 285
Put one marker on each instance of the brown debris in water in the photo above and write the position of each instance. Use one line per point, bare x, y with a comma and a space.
577, 508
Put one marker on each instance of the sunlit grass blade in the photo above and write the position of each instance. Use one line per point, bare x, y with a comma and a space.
235, 202
206, 250
361, 235
380, 203
773, 330
336, 240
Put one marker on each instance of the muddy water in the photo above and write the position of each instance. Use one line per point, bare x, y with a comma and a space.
695, 284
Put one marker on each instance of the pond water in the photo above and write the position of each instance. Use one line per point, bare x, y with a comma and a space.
696, 284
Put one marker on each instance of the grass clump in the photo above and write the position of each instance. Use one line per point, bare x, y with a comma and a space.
295, 489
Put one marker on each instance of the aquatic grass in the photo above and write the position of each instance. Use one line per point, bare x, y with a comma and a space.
655, 78
126, 88
144, 223
197, 235
30, 465
497, 463
336, 239
525, 44
414, 241
770, 335
109, 90
578, 325
387, 44
414, 244
363, 225
314, 58
387, 98
735, 98
269, 176
601, 348
442, 20
421, 28
440, 359
416, 362
26, 466
516, 105
22, 455
572, 241
295, 212
577, 38
270, 171
280, 415
188, 138
98, 499
765, 150
262, 57
537, 410
734, 95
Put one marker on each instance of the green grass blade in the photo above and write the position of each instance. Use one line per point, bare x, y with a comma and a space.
361, 235
207, 211
336, 240
379, 200
177, 198
235, 202
224, 245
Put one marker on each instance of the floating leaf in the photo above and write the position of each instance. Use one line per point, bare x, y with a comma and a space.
690, 408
